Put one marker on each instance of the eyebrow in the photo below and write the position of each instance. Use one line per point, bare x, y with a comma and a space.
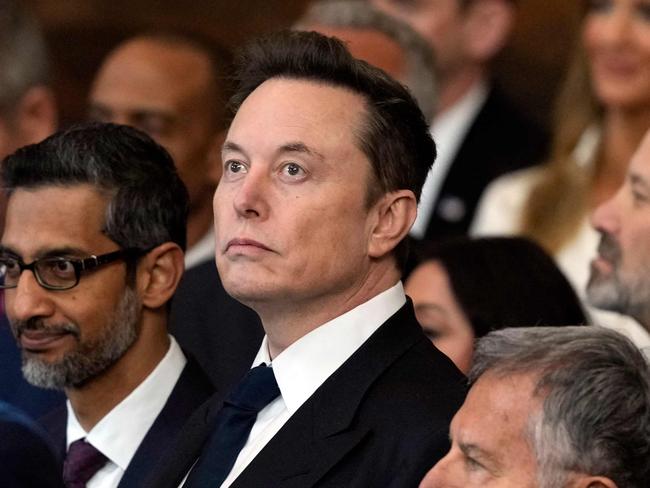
49, 253
290, 147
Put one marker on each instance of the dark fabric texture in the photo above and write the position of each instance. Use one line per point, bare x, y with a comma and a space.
221, 333
192, 389
380, 420
500, 140
27, 460
14, 389
234, 422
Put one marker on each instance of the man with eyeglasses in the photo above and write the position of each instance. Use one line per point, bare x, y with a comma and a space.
91, 254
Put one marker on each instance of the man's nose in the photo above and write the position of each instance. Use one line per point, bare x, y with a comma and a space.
28, 299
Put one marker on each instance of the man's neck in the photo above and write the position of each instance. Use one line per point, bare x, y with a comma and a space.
96, 398
199, 222
285, 323
454, 88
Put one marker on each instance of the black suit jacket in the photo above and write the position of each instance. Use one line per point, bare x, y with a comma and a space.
381, 420
221, 333
192, 389
26, 458
500, 140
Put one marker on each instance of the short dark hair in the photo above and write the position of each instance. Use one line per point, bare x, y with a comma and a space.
395, 136
595, 390
148, 201
505, 282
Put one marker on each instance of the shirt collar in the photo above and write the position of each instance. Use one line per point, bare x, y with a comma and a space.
305, 365
118, 435
202, 251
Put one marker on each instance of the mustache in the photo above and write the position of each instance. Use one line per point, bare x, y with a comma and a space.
37, 324
609, 249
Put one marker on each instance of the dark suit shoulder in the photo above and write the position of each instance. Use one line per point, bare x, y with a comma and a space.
501, 139
220, 332
26, 457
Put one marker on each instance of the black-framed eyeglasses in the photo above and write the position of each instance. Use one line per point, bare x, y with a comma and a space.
56, 272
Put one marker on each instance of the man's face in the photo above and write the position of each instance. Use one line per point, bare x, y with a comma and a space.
489, 438
620, 274
291, 217
441, 22
168, 92
70, 336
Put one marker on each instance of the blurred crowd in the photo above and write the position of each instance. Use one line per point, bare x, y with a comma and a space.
425, 285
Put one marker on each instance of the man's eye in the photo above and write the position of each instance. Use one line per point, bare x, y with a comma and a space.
58, 267
234, 167
293, 170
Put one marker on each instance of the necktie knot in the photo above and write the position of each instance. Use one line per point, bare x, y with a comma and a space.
81, 463
256, 390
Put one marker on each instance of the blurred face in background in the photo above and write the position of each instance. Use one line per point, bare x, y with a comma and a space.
616, 37
620, 273
440, 314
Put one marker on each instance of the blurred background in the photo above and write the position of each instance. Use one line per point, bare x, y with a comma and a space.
81, 32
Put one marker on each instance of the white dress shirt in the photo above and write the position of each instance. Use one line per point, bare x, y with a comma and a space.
202, 251
448, 130
118, 435
305, 365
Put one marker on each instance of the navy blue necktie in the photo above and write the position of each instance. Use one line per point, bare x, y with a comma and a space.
232, 426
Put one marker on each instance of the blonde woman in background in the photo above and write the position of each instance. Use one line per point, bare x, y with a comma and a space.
602, 114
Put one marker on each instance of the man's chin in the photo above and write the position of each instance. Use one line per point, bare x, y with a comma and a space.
603, 293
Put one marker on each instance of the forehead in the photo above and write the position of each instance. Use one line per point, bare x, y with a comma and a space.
281, 111
147, 71
54, 216
496, 415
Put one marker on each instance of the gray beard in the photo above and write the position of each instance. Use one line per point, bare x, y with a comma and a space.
613, 294
89, 359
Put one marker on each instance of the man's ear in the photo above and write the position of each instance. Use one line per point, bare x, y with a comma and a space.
585, 481
395, 214
159, 273
488, 26
36, 115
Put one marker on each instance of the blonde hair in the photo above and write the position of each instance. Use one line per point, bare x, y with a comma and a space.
557, 204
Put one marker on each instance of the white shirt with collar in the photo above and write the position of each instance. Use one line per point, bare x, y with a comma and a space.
305, 365
202, 251
119, 434
448, 130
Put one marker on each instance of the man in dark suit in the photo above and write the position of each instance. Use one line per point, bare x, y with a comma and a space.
91, 254
323, 165
480, 133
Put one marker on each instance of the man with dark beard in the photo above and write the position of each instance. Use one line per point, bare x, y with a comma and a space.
620, 274
91, 254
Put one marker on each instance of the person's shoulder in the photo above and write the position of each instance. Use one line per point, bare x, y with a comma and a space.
500, 208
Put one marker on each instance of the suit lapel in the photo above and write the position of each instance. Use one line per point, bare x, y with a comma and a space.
324, 429
192, 389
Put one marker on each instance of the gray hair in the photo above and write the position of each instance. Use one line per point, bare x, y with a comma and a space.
23, 56
595, 386
354, 14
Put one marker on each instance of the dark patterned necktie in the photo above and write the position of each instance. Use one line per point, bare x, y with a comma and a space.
232, 426
81, 463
